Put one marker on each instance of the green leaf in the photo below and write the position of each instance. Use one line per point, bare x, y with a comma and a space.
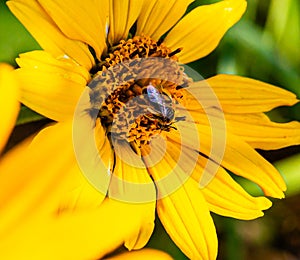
26, 115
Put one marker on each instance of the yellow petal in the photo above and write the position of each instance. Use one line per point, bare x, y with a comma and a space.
48, 35
239, 158
45, 62
80, 20
89, 234
157, 17
170, 166
34, 179
123, 15
186, 218
145, 254
201, 30
260, 132
146, 226
238, 94
49, 86
47, 94
9, 104
83, 197
91, 146
255, 129
226, 197
130, 181
180, 205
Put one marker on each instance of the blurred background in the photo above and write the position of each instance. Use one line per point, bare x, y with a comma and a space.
264, 45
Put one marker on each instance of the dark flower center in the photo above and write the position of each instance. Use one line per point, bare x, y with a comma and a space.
135, 90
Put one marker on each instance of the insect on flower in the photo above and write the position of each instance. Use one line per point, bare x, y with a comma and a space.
160, 106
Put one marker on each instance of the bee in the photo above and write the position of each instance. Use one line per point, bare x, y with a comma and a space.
160, 106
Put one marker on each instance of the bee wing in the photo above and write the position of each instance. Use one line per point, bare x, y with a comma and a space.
156, 101
161, 103
154, 95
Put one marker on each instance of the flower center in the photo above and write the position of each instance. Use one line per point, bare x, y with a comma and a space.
135, 90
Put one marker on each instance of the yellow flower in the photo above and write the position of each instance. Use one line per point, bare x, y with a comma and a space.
140, 119
30, 226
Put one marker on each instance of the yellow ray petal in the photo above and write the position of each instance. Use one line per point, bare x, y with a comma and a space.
260, 132
241, 159
47, 94
84, 20
9, 104
47, 34
226, 197
238, 94
92, 149
186, 217
201, 30
170, 166
180, 205
49, 86
89, 234
45, 62
145, 254
157, 17
131, 181
82, 197
146, 226
122, 16
34, 179
57, 186
256, 129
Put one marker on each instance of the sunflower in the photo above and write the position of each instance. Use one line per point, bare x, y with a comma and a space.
143, 131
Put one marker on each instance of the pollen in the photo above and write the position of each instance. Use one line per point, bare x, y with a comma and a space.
135, 89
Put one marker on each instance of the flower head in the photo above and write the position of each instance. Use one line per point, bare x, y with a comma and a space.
143, 131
